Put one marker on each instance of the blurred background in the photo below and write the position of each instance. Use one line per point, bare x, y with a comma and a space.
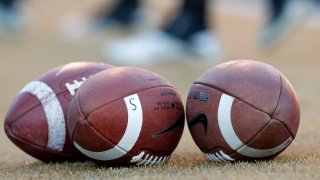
162, 36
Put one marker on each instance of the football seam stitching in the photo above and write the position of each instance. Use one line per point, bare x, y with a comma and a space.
250, 139
280, 93
259, 129
36, 145
127, 152
102, 106
259, 132
222, 91
35, 106
83, 117
106, 139
285, 125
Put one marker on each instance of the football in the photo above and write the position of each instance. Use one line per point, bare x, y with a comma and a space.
126, 116
242, 110
36, 120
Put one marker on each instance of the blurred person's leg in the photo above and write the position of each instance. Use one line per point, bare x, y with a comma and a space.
11, 20
277, 9
190, 20
7, 3
284, 16
187, 33
121, 13
80, 26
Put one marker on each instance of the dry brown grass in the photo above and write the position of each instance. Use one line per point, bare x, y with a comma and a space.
299, 59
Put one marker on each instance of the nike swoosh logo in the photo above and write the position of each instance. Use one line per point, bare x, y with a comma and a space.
199, 118
177, 124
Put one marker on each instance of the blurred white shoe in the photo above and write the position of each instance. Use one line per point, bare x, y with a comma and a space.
278, 30
205, 45
156, 47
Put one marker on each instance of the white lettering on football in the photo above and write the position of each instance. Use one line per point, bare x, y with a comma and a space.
74, 86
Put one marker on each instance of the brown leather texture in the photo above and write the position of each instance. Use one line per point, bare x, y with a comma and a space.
26, 122
265, 111
98, 116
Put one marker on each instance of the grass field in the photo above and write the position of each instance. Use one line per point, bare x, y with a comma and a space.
24, 59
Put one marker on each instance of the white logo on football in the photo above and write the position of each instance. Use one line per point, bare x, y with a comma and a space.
129, 138
73, 87
230, 136
53, 112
